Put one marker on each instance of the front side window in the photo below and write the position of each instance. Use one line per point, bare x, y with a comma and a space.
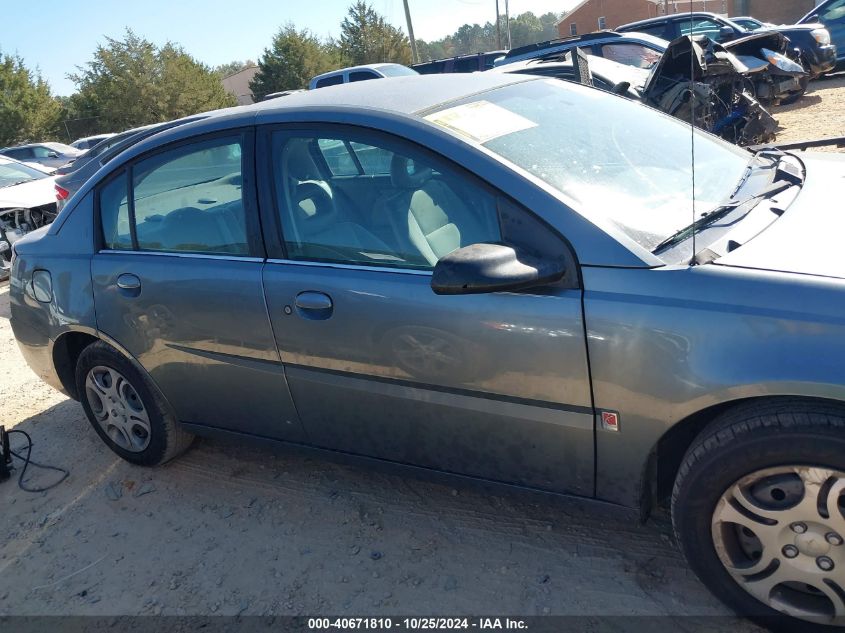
185, 200
359, 75
419, 211
705, 26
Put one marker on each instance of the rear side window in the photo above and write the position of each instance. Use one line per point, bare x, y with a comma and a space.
114, 214
20, 154
185, 200
330, 81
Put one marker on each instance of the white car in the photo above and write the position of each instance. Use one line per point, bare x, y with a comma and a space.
27, 202
360, 73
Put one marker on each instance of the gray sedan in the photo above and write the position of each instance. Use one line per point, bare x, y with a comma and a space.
495, 276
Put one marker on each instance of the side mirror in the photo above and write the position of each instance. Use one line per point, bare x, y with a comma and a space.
52, 155
726, 33
491, 267
621, 88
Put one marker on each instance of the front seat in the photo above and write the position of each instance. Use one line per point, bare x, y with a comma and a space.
323, 233
422, 213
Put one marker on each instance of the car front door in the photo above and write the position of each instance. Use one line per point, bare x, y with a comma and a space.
494, 386
177, 284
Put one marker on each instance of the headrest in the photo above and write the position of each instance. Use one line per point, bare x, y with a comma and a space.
313, 205
406, 173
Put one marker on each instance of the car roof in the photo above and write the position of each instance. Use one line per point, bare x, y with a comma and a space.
353, 68
402, 95
671, 17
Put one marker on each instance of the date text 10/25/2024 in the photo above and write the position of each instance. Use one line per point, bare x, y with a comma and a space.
417, 624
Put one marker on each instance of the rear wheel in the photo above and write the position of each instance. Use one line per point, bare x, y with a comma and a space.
125, 410
759, 509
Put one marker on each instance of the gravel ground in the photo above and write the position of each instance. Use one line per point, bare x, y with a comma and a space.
229, 529
820, 113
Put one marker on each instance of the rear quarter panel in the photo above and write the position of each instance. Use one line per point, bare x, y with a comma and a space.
667, 343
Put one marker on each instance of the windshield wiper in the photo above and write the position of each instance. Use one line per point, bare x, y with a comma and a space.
709, 218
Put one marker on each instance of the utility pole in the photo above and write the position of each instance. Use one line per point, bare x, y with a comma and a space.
508, 22
498, 27
415, 56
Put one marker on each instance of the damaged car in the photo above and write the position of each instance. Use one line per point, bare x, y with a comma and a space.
698, 80
777, 78
27, 202
720, 101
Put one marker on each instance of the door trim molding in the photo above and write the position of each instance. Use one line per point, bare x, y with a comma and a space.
471, 393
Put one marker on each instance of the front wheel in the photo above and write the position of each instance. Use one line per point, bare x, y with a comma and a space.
759, 510
125, 410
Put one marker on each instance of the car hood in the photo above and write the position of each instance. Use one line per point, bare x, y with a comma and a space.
28, 194
807, 238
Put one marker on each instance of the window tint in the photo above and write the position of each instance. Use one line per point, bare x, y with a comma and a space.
422, 212
19, 154
330, 81
466, 64
431, 68
362, 75
635, 55
114, 214
705, 26
658, 30
191, 200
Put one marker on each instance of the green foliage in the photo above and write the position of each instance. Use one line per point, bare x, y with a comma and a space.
367, 38
292, 59
132, 82
230, 68
28, 112
526, 28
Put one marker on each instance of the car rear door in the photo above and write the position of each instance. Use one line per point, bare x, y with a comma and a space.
177, 284
493, 386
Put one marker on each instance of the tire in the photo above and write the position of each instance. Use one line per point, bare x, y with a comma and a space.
751, 465
137, 423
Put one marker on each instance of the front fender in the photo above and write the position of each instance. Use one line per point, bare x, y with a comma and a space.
665, 344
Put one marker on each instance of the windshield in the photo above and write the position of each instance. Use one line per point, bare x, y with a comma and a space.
17, 173
614, 161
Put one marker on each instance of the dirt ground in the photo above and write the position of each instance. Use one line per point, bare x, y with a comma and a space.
229, 529
820, 113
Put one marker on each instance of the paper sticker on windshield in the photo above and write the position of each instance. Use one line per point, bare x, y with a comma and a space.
480, 121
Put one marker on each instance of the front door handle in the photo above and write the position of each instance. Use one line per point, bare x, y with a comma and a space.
129, 284
313, 305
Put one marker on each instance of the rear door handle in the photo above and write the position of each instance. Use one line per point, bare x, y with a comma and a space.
129, 284
314, 305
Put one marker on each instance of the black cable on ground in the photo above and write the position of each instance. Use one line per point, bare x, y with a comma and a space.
27, 461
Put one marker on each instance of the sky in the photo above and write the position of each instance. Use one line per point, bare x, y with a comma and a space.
60, 35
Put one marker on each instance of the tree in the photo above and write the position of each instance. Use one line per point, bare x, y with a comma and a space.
132, 82
292, 59
367, 38
28, 112
230, 68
